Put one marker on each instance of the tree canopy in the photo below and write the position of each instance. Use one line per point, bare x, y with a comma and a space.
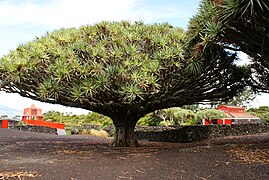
262, 112
210, 114
246, 27
122, 70
238, 26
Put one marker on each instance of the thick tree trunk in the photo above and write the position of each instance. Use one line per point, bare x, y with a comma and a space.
124, 136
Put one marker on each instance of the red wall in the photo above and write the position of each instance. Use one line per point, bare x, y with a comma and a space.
45, 123
4, 123
228, 121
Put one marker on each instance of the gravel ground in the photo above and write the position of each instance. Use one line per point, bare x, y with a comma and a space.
25, 155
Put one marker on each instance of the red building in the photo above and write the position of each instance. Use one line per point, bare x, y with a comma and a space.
33, 116
32, 113
4, 123
234, 115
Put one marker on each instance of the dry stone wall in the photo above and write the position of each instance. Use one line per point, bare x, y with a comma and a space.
39, 129
185, 134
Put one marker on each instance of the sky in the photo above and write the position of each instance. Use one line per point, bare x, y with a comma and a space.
23, 20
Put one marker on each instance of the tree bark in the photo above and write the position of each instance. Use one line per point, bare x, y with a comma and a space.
124, 135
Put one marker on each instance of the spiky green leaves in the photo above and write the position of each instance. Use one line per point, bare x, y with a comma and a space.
121, 59
50, 89
246, 9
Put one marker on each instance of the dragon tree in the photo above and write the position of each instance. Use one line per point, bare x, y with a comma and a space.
240, 26
122, 70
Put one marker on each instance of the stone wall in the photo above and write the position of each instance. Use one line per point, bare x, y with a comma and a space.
196, 133
179, 134
39, 129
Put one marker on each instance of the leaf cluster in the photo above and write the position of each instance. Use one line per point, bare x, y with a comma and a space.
236, 25
262, 112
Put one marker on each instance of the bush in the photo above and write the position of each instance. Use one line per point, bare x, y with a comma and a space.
262, 112
149, 120
99, 133
209, 114
166, 123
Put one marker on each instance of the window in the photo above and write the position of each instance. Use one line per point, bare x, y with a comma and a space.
34, 112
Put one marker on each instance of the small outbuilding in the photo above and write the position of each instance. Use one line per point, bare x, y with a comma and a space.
33, 116
234, 115
8, 123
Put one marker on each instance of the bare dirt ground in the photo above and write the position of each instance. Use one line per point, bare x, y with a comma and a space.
25, 155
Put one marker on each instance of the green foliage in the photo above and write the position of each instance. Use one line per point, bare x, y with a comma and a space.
149, 120
182, 116
21, 124
53, 116
262, 112
166, 123
176, 116
209, 114
235, 26
4, 116
124, 70
122, 57
170, 116
117, 64
92, 118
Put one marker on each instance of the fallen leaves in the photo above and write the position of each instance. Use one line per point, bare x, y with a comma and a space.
251, 155
202, 178
19, 175
141, 170
123, 177
80, 152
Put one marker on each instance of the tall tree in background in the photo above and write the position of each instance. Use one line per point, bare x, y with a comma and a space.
262, 112
120, 70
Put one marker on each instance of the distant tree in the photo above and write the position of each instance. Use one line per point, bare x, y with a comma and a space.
4, 116
209, 114
193, 107
121, 70
149, 120
17, 117
54, 116
182, 116
262, 112
21, 124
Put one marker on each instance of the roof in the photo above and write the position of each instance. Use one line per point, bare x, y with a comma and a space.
240, 115
33, 107
230, 107
28, 111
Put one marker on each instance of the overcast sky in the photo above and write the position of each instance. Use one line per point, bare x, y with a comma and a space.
22, 20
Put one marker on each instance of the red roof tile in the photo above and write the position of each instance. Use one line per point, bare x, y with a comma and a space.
240, 115
230, 107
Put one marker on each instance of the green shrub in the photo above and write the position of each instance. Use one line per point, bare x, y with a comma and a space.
166, 123
149, 120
